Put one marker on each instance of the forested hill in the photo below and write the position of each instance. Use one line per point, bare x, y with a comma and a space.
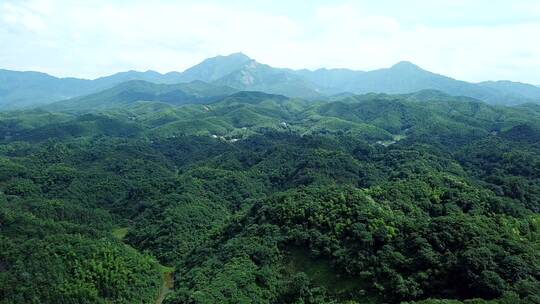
260, 198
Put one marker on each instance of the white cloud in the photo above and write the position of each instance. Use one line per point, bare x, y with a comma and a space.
94, 38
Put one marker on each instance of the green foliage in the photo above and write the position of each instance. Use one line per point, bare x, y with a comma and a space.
258, 198
68, 269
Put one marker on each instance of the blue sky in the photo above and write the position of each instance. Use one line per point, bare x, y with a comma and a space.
472, 40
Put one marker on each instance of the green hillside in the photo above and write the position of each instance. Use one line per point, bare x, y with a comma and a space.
133, 91
249, 197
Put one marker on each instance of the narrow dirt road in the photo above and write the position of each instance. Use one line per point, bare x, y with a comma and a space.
167, 277
166, 286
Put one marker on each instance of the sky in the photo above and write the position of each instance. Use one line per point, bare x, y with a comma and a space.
471, 40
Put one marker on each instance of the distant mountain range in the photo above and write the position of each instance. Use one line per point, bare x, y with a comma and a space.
238, 72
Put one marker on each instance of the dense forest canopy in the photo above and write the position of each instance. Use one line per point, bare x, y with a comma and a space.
260, 198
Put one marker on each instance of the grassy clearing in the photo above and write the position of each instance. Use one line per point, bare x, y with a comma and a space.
322, 273
120, 233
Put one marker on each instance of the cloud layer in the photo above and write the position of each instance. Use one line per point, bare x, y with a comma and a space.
470, 40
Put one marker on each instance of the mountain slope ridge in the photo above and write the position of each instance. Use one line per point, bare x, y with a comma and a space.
237, 70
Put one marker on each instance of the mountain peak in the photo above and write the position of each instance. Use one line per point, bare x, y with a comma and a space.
405, 65
233, 57
216, 67
238, 55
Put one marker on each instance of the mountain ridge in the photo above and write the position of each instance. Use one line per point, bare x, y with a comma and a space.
239, 71
133, 91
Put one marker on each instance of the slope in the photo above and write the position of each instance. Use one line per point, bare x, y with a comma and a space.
137, 90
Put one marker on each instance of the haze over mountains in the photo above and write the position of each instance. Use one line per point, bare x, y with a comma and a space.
223, 75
